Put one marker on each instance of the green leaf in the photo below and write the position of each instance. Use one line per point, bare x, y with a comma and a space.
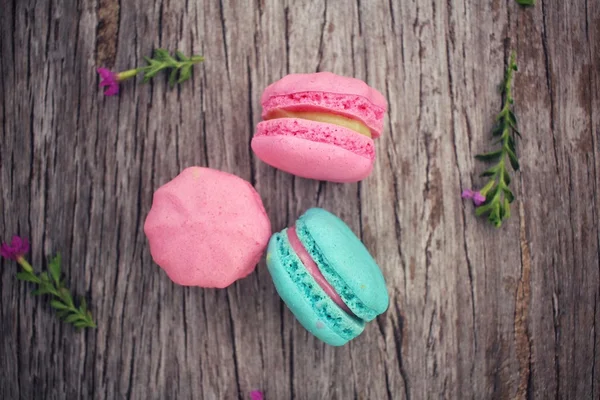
72, 318
81, 324
490, 171
482, 210
506, 209
489, 196
500, 212
495, 215
181, 56
526, 3
66, 296
185, 73
28, 277
162, 55
196, 59
512, 119
58, 305
41, 291
508, 194
511, 143
491, 156
173, 77
514, 162
505, 176
515, 130
44, 277
498, 130
82, 305
54, 268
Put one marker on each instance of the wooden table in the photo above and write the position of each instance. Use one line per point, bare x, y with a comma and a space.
476, 312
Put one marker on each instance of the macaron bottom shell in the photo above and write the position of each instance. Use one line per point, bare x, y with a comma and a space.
314, 150
313, 308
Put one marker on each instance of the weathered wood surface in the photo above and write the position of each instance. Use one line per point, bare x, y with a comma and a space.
475, 312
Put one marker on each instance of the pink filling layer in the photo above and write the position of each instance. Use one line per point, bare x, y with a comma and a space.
313, 270
319, 132
355, 107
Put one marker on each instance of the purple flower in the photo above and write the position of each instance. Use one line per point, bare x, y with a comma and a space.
109, 79
256, 395
16, 249
477, 197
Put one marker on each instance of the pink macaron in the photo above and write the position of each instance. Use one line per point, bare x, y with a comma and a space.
207, 228
320, 126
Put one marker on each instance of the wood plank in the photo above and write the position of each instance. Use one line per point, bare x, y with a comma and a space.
475, 312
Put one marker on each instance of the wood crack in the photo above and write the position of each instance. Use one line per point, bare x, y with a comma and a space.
224, 34
250, 123
360, 210
131, 369
594, 338
107, 32
522, 303
320, 54
287, 38
359, 12
203, 111
160, 24
549, 83
398, 339
234, 347
291, 366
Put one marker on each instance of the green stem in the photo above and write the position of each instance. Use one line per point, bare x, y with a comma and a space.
25, 265
121, 76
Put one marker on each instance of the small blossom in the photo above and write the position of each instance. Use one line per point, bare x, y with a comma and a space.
16, 249
256, 395
467, 194
109, 79
477, 197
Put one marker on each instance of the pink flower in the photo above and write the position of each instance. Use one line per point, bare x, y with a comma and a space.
477, 197
109, 79
256, 395
16, 249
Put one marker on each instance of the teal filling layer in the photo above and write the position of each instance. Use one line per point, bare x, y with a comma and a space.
314, 294
347, 295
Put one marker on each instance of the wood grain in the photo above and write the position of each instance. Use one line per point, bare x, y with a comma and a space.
475, 312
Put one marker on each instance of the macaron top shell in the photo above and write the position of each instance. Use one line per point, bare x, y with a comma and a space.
323, 82
207, 228
327, 93
345, 262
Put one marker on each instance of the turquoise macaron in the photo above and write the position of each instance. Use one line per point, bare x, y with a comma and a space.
326, 277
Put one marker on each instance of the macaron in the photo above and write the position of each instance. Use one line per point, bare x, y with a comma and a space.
320, 126
207, 228
326, 277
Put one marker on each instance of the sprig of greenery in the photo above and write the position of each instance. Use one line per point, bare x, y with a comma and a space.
526, 3
181, 67
50, 282
498, 195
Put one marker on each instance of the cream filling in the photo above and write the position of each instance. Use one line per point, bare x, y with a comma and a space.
339, 120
